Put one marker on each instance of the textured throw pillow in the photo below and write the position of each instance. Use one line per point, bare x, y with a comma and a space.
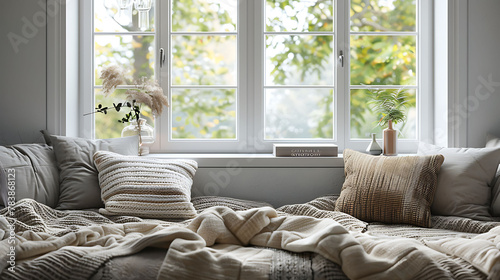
465, 180
389, 189
79, 186
146, 187
32, 171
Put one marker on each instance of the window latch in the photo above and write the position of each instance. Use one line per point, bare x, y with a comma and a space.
341, 58
162, 57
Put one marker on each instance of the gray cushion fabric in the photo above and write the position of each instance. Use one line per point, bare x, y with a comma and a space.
464, 181
493, 141
34, 170
46, 137
3, 187
495, 196
79, 186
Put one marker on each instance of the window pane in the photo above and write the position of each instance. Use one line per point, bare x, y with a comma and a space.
364, 121
133, 53
299, 60
204, 15
383, 15
299, 15
203, 114
120, 16
204, 60
298, 113
107, 125
383, 60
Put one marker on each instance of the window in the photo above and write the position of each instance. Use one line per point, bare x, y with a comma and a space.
299, 76
119, 37
244, 74
383, 54
204, 69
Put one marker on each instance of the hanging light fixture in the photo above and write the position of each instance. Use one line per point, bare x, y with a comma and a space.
143, 7
125, 13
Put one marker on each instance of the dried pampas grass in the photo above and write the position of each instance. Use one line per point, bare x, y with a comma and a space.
112, 76
147, 92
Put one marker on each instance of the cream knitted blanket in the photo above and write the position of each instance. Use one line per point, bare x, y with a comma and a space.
214, 245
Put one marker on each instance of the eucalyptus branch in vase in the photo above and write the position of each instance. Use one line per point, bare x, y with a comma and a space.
146, 93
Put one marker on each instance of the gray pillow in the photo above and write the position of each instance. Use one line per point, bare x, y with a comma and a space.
464, 181
492, 141
33, 170
495, 196
79, 186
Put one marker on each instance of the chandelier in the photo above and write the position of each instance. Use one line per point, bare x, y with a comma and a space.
141, 6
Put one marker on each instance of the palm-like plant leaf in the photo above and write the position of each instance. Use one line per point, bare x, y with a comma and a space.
389, 104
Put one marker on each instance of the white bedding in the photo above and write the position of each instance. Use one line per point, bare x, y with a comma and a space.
220, 244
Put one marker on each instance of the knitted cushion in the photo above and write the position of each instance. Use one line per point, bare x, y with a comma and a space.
145, 187
389, 189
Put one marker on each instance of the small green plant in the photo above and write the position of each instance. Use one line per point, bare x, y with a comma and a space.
389, 104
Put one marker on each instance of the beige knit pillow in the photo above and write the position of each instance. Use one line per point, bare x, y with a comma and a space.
145, 187
389, 189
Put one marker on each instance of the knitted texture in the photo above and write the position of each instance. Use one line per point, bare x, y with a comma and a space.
318, 208
397, 190
202, 203
145, 187
76, 243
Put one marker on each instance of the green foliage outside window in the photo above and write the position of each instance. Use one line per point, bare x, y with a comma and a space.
374, 60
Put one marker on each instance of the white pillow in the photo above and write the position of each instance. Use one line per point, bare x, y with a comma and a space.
464, 181
145, 187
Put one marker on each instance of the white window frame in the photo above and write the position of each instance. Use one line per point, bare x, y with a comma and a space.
425, 124
238, 145
250, 98
260, 143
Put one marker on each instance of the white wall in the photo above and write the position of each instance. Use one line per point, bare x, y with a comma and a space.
440, 73
23, 70
484, 71
277, 186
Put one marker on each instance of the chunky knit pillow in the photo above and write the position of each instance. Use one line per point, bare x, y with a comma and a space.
389, 189
145, 187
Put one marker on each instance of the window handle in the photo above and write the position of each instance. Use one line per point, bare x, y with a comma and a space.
162, 57
341, 58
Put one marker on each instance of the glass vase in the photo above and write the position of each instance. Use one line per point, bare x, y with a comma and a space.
145, 132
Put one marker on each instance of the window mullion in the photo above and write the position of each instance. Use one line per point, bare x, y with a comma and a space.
256, 99
162, 21
86, 78
342, 80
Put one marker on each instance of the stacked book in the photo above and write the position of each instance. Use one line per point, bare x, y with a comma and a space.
305, 150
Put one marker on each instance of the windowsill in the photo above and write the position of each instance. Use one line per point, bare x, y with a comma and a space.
255, 160
258, 160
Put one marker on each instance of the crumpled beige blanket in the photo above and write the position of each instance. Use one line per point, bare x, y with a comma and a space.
211, 246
